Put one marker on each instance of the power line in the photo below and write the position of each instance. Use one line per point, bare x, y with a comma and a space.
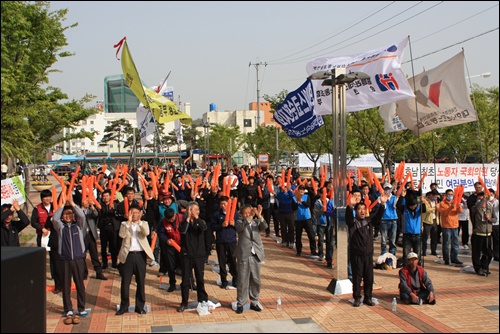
352, 25
358, 41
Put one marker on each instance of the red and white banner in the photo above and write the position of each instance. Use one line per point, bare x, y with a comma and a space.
449, 176
442, 98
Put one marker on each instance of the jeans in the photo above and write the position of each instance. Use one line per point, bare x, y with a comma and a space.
388, 229
411, 242
450, 235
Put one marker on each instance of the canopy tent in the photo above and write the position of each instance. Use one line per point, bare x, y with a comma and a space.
66, 159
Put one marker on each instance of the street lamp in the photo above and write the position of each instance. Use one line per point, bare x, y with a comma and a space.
337, 78
206, 133
484, 75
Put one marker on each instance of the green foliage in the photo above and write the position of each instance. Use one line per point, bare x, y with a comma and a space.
220, 139
118, 130
32, 41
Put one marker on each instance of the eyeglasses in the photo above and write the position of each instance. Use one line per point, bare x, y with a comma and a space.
67, 213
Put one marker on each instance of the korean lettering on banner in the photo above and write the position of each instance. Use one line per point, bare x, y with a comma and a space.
449, 176
13, 188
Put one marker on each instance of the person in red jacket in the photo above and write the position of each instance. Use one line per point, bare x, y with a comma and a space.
170, 240
415, 286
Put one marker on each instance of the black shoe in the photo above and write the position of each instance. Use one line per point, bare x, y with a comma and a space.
435, 254
487, 272
457, 262
279, 236
193, 287
299, 254
239, 310
85, 278
56, 291
104, 266
234, 283
368, 302
481, 272
223, 285
140, 311
114, 265
256, 307
121, 311
329, 265
101, 277
181, 308
356, 303
496, 259
447, 263
171, 288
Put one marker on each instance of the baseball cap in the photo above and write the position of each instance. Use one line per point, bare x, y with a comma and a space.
412, 255
387, 185
435, 192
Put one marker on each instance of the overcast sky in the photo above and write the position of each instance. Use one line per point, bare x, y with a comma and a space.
208, 46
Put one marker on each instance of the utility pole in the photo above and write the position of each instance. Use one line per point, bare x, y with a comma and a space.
258, 90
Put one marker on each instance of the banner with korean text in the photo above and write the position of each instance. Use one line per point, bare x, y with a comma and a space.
449, 176
387, 82
13, 188
296, 113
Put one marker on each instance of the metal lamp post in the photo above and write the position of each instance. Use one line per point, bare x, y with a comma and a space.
337, 78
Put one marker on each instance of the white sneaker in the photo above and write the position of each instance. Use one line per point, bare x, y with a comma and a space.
461, 247
466, 247
153, 263
322, 257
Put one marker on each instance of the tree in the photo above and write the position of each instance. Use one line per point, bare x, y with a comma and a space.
220, 139
32, 40
117, 131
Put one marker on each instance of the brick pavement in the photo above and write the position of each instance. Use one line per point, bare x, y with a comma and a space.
465, 302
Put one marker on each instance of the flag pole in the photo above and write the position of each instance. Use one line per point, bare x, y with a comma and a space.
421, 258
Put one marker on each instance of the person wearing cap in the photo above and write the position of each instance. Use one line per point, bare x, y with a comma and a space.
132, 259
449, 227
431, 220
415, 286
360, 250
389, 224
10, 228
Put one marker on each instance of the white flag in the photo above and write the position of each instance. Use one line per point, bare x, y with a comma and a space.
145, 124
387, 82
178, 132
392, 122
442, 98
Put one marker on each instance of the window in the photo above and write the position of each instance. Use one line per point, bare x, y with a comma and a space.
91, 122
247, 123
84, 122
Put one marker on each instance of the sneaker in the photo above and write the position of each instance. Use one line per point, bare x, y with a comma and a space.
466, 247
160, 274
329, 265
278, 241
83, 313
292, 245
356, 303
457, 262
153, 263
321, 257
447, 263
314, 257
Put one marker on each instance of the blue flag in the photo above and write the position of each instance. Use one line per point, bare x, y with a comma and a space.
296, 113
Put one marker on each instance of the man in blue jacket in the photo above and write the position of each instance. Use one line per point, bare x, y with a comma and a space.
303, 221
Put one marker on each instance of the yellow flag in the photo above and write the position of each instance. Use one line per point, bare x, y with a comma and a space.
132, 76
163, 109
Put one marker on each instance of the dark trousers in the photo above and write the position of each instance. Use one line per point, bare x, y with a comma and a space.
226, 255
496, 241
463, 225
429, 230
411, 243
422, 294
481, 252
326, 232
362, 270
73, 268
274, 213
134, 265
170, 257
300, 226
57, 265
91, 246
287, 224
266, 213
187, 265
109, 239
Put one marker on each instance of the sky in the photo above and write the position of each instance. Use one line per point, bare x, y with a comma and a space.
211, 48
